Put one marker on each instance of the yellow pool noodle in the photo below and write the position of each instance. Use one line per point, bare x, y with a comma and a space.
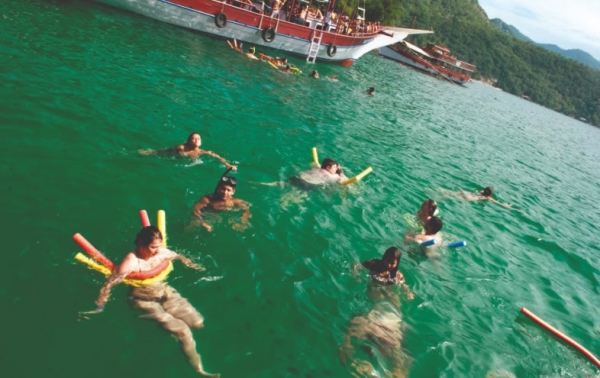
315, 156
162, 226
91, 263
358, 177
272, 65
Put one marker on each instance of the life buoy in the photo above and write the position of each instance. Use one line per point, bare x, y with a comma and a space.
331, 50
220, 20
268, 34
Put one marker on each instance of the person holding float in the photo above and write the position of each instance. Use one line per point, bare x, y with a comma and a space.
155, 297
431, 233
190, 148
222, 200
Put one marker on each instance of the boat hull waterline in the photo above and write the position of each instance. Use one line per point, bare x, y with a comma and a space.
247, 26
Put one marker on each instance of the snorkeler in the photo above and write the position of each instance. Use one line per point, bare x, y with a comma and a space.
192, 149
160, 301
431, 231
222, 200
482, 195
250, 53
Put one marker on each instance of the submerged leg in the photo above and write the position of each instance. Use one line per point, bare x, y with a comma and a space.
178, 327
180, 308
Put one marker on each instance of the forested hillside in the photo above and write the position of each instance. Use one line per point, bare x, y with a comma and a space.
518, 67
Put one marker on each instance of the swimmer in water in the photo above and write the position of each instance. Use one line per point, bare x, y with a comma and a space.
385, 270
222, 200
482, 195
286, 69
330, 171
314, 74
159, 301
250, 53
371, 91
379, 331
431, 231
192, 149
235, 46
427, 210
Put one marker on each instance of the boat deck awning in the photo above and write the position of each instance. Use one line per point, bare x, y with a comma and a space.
417, 49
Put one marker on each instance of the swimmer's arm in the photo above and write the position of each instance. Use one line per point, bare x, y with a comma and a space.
189, 263
246, 210
409, 295
117, 276
204, 201
212, 154
499, 203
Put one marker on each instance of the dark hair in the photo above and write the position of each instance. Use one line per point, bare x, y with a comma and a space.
147, 235
431, 207
372, 89
392, 253
378, 266
191, 135
327, 162
226, 180
433, 225
487, 192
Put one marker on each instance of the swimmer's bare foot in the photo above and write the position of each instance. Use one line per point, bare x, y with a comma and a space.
200, 370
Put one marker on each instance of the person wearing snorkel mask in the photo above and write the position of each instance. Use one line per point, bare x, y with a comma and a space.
222, 200
250, 53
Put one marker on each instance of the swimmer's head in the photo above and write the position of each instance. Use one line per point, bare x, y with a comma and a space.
371, 90
391, 257
284, 60
428, 207
331, 166
487, 192
433, 226
194, 139
148, 242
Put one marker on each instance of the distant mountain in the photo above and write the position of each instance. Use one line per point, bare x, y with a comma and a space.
575, 54
510, 30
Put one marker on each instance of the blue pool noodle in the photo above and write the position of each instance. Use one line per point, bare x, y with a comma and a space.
428, 243
457, 244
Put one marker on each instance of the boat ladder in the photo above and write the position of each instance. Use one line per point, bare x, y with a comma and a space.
315, 42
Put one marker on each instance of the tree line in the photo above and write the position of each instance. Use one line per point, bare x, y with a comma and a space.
520, 68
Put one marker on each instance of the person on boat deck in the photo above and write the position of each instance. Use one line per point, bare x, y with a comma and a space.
431, 230
222, 200
192, 149
303, 14
250, 53
314, 74
482, 195
158, 300
427, 210
277, 4
371, 91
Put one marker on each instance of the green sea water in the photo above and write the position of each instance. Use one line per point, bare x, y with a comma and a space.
84, 86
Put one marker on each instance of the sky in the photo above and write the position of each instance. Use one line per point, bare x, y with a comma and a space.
570, 24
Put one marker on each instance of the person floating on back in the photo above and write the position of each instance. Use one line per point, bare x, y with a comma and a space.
222, 200
190, 148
